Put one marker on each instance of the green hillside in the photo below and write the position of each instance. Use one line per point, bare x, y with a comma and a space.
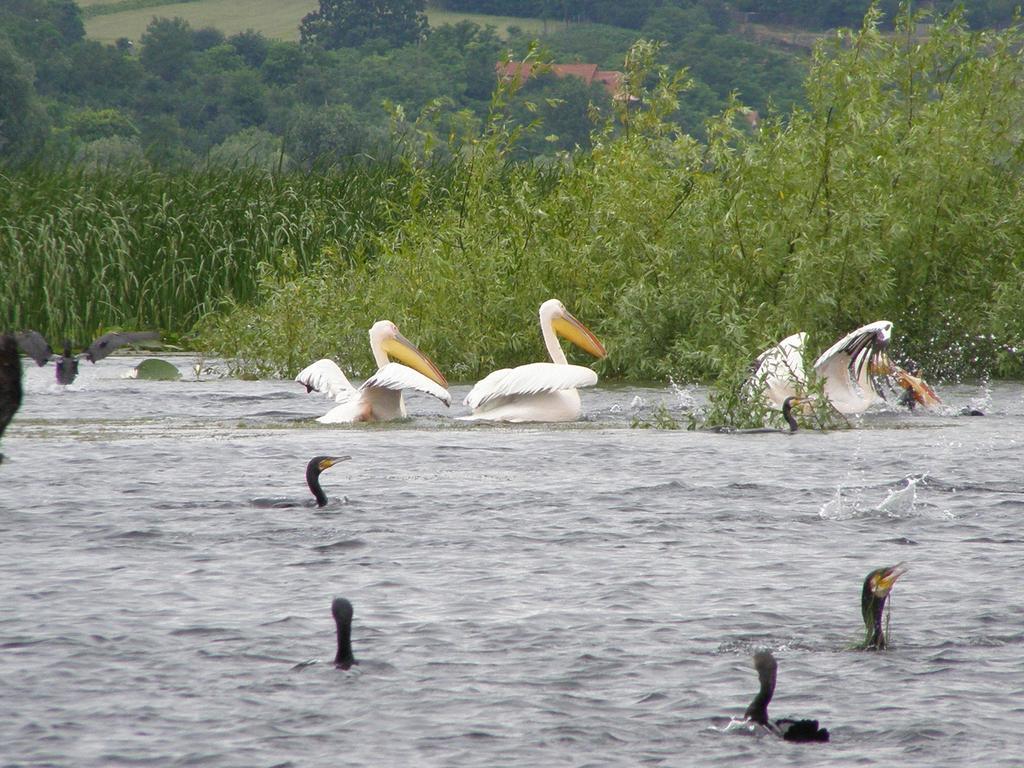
277, 19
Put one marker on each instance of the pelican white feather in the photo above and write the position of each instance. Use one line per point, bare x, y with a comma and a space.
530, 379
324, 376
379, 398
845, 368
539, 391
778, 372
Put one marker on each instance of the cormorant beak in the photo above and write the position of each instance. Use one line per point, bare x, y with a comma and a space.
330, 461
882, 584
568, 327
406, 352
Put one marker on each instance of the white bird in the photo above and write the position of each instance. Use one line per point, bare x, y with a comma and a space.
846, 369
380, 396
539, 391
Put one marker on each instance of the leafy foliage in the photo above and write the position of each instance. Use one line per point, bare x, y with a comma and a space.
895, 194
351, 23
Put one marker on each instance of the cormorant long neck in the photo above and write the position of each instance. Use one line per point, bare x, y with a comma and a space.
787, 414
766, 667
872, 607
342, 611
313, 481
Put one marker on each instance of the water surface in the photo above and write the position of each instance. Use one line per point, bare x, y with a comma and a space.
573, 595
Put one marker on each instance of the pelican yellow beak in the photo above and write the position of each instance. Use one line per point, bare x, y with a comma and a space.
883, 582
923, 393
330, 461
404, 351
568, 327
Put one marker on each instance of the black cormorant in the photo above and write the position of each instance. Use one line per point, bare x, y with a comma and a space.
341, 609
35, 346
10, 381
315, 466
790, 730
787, 411
876, 590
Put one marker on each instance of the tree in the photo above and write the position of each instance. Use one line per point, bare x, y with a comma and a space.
167, 48
23, 123
351, 23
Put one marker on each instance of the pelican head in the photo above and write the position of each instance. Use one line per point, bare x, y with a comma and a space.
554, 313
384, 336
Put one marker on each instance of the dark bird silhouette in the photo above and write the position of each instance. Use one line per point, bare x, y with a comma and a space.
341, 609
787, 411
10, 381
35, 346
315, 466
877, 587
790, 730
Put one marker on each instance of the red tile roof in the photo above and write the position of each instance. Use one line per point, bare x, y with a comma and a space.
588, 73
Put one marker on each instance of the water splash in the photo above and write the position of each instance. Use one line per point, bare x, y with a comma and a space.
684, 395
899, 502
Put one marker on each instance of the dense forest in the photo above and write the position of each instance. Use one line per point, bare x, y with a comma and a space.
811, 14
890, 186
180, 96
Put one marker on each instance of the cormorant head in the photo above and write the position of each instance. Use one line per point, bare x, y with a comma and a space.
315, 466
877, 586
787, 409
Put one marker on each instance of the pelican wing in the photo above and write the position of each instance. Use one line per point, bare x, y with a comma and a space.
778, 372
396, 377
532, 379
846, 366
324, 376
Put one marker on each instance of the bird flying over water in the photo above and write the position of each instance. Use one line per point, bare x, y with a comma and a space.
877, 587
847, 370
380, 396
35, 346
10, 381
790, 730
539, 391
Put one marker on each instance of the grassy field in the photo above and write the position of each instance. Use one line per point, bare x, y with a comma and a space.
278, 19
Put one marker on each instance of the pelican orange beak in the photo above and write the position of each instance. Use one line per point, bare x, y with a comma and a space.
568, 327
329, 461
883, 582
404, 351
923, 393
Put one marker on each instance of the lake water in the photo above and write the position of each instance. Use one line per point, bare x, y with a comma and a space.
576, 595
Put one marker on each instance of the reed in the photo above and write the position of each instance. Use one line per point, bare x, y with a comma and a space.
81, 251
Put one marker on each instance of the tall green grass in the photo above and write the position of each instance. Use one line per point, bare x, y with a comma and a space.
81, 251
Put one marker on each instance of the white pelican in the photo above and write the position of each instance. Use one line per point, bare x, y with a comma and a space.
380, 396
846, 369
539, 391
